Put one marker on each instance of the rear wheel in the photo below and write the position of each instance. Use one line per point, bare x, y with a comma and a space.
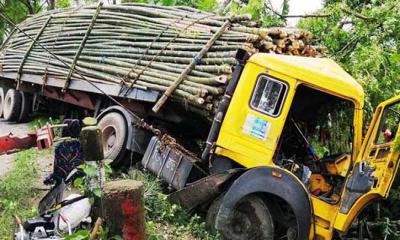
250, 219
12, 105
1, 101
114, 129
26, 107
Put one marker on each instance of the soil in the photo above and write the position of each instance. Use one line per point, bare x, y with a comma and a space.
44, 161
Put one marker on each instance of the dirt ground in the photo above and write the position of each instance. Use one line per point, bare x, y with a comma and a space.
44, 161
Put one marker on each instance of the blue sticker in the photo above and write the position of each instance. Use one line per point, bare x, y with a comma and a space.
256, 127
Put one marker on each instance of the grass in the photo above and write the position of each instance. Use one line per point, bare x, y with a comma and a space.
41, 120
17, 188
164, 219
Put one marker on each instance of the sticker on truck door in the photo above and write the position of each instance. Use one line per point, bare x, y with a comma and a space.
256, 127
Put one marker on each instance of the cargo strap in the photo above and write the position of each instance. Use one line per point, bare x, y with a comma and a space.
190, 67
21, 66
81, 46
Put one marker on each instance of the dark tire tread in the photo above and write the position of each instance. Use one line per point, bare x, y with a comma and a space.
12, 105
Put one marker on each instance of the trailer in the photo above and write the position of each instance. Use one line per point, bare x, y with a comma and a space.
277, 151
145, 66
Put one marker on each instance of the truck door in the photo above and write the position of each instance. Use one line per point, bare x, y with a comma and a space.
376, 166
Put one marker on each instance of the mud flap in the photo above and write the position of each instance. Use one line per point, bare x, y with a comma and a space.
171, 165
203, 190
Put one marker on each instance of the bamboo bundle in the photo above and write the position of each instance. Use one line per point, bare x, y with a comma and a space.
148, 47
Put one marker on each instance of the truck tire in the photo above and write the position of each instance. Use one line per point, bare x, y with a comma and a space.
114, 129
12, 105
26, 107
1, 101
251, 220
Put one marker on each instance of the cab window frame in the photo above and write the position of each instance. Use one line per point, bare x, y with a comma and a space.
378, 133
283, 83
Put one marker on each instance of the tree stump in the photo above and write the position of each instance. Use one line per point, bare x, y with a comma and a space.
91, 140
123, 209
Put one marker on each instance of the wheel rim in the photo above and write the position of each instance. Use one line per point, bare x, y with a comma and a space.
245, 222
109, 138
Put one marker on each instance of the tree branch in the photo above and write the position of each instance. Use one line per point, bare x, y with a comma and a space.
27, 3
295, 16
357, 15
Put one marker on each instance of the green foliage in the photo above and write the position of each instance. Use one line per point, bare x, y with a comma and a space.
79, 235
365, 42
16, 190
258, 11
63, 4
207, 5
164, 219
89, 184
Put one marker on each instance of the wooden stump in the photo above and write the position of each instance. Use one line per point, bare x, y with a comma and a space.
91, 140
123, 209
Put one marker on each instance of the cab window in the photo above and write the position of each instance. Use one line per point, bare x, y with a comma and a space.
389, 124
268, 96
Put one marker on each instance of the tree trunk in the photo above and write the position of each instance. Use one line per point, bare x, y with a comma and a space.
123, 209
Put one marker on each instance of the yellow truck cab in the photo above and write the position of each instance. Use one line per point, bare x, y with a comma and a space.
286, 153
281, 99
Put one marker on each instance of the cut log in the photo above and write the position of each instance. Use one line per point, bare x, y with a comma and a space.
123, 209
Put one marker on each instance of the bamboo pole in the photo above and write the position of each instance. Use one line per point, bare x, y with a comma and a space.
78, 53
189, 68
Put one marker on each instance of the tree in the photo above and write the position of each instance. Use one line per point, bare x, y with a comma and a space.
364, 37
18, 10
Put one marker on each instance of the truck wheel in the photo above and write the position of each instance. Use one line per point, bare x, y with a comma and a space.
1, 101
114, 130
250, 219
12, 105
26, 107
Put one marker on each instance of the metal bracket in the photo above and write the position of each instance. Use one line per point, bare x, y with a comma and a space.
81, 46
21, 66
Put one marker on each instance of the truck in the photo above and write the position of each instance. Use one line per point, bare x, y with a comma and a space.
286, 155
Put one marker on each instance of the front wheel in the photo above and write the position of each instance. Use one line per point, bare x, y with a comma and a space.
251, 219
115, 134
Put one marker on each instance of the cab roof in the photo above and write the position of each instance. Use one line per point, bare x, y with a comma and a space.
322, 73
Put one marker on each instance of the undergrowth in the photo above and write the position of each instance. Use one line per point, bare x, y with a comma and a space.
16, 191
164, 219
